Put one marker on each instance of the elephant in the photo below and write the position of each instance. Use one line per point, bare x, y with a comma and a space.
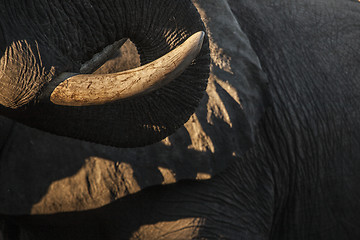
271, 152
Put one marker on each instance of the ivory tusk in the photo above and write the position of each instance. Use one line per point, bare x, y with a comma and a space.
96, 89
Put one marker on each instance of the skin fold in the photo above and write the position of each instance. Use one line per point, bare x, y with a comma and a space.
275, 140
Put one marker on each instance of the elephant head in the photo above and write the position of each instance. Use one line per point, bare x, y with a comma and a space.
235, 100
43, 46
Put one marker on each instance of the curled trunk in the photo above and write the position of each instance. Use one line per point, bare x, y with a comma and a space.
35, 54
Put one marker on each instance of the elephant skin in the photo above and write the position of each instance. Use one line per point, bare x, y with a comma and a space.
290, 172
95, 175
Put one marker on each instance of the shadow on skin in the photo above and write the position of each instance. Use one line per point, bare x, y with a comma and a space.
120, 219
117, 217
33, 160
35, 164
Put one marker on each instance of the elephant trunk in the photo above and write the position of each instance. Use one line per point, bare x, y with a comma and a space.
45, 40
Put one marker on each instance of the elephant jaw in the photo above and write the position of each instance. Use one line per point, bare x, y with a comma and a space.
71, 89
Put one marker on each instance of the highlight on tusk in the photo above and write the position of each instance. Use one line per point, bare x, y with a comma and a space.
86, 89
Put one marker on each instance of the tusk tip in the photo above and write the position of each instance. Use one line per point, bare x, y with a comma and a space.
198, 37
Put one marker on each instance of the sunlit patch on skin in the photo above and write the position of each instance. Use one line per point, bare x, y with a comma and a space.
166, 142
200, 140
154, 127
97, 183
215, 106
102, 57
219, 58
125, 58
203, 176
187, 228
22, 73
168, 175
230, 90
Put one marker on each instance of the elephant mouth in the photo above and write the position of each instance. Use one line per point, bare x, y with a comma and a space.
72, 89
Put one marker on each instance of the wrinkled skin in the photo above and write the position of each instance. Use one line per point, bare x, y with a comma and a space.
63, 35
299, 180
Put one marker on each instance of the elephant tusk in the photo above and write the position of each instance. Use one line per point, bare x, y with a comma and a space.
95, 89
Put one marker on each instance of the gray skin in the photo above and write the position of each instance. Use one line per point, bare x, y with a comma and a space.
299, 180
